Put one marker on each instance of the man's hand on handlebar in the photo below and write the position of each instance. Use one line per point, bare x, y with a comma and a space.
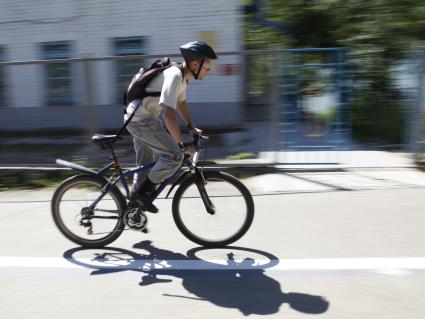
189, 150
195, 131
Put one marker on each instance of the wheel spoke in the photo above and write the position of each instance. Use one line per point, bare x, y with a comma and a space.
87, 227
233, 214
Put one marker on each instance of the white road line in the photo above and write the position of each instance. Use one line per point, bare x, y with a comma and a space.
391, 266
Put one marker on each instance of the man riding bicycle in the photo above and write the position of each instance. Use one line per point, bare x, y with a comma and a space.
151, 139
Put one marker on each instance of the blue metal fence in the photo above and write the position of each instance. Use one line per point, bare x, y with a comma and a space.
312, 105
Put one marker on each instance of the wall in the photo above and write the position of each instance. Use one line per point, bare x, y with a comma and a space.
90, 26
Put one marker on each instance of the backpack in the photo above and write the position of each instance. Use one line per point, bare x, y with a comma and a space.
139, 82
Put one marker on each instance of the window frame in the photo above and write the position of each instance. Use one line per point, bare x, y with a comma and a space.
3, 87
58, 50
127, 46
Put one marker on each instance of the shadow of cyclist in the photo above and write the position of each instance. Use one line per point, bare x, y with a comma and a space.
240, 285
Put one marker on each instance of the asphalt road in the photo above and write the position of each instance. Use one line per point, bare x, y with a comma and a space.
328, 245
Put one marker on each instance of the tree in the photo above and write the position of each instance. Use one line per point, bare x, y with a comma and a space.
377, 33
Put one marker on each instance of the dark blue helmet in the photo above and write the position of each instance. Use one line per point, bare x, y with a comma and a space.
197, 50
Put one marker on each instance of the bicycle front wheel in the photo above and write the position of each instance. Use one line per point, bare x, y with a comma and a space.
89, 227
232, 215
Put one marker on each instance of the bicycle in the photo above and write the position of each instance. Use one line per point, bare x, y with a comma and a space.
91, 210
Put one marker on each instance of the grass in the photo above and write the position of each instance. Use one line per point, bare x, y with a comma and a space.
37, 179
241, 156
33, 180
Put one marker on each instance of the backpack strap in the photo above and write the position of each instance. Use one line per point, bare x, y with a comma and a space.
181, 68
122, 129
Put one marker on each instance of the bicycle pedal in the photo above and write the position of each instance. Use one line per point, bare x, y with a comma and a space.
135, 219
145, 230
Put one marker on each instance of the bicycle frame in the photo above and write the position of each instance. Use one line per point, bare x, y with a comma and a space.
84, 223
123, 174
131, 172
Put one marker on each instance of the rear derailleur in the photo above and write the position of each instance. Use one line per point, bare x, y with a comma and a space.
85, 221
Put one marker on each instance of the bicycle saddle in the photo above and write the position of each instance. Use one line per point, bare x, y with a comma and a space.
104, 139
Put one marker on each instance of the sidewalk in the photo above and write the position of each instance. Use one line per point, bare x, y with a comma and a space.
328, 160
362, 170
351, 170
349, 180
289, 171
291, 182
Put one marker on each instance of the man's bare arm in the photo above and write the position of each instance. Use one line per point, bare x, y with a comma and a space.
172, 123
184, 111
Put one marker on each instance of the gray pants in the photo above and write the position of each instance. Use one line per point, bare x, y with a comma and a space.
151, 141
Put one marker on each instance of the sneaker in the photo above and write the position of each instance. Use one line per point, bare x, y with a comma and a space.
143, 201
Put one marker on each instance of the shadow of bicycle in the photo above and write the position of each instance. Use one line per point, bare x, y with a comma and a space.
232, 283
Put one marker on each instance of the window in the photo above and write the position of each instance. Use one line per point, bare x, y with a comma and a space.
58, 74
126, 69
2, 80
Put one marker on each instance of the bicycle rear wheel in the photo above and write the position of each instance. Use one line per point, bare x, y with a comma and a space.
233, 204
87, 227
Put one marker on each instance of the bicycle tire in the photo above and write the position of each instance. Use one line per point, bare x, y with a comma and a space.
58, 201
241, 193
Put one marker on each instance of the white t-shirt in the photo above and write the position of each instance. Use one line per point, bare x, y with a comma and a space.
172, 87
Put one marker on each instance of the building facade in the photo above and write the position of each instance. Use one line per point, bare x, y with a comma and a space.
67, 94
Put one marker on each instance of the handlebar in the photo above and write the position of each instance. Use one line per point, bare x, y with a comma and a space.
196, 144
197, 141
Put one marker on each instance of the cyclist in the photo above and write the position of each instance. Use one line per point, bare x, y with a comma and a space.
150, 137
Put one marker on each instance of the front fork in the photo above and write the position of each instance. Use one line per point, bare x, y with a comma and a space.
200, 182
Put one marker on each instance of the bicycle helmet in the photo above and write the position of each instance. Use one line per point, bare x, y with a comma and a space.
197, 50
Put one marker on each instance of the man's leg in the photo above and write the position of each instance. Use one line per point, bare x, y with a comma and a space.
151, 132
144, 155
